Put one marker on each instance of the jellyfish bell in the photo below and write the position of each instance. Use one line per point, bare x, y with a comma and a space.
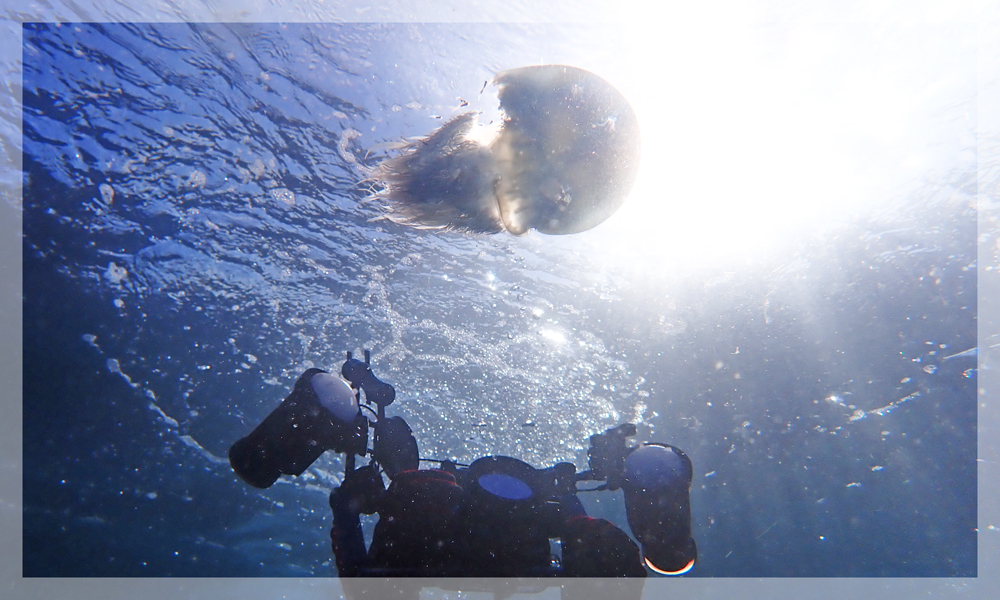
568, 152
564, 160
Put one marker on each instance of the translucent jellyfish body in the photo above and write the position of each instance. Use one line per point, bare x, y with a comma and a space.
564, 160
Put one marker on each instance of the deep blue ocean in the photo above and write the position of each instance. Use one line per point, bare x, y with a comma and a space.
197, 232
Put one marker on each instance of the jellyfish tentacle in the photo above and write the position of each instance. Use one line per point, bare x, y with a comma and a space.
444, 181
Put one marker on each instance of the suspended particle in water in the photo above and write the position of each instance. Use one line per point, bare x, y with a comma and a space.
196, 179
107, 193
115, 274
285, 196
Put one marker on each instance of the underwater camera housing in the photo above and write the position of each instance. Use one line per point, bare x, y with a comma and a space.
321, 413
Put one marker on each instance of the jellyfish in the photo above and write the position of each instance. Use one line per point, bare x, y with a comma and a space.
564, 160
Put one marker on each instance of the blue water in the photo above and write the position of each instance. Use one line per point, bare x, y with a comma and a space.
196, 234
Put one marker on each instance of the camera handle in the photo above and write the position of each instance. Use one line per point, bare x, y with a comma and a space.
361, 377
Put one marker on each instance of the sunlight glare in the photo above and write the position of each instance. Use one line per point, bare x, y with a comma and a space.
758, 133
